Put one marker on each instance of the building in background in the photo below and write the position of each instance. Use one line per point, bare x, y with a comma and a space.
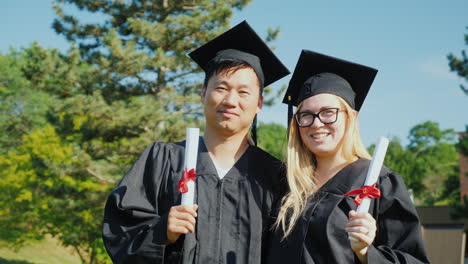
444, 236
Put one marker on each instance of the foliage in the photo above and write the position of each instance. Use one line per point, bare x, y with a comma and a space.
273, 139
72, 124
462, 145
459, 208
460, 65
428, 164
139, 47
45, 189
21, 107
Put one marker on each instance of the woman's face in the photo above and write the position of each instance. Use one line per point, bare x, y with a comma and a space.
323, 139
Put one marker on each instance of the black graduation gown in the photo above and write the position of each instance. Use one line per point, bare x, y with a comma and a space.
319, 235
232, 214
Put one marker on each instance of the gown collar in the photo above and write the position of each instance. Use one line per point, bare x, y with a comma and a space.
205, 164
350, 177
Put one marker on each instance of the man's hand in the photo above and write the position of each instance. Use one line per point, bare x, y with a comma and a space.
181, 220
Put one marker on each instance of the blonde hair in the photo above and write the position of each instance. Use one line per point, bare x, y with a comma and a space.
301, 165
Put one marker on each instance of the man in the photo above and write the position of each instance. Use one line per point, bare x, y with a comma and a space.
236, 182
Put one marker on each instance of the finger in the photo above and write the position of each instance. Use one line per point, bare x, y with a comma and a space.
357, 222
368, 222
189, 226
370, 219
178, 224
362, 215
365, 228
187, 209
366, 216
180, 230
180, 216
351, 213
358, 229
361, 238
186, 217
181, 213
369, 225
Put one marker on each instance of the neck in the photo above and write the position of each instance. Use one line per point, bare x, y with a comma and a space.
225, 150
328, 167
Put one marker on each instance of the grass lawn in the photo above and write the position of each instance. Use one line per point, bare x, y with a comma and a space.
45, 252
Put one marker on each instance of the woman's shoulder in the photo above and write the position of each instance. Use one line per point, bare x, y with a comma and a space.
363, 164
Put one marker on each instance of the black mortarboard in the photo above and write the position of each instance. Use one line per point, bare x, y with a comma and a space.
241, 42
316, 73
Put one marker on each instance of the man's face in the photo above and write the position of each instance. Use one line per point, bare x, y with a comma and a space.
231, 100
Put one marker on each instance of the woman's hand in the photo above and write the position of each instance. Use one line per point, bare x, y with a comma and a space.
181, 220
362, 228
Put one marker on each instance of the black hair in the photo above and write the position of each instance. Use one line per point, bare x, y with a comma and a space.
215, 68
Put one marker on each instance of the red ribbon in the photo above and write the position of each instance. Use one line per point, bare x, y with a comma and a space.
188, 176
369, 191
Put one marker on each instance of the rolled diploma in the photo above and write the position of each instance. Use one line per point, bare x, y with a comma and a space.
190, 162
373, 173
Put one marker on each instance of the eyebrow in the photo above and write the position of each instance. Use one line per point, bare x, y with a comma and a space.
218, 82
320, 109
223, 82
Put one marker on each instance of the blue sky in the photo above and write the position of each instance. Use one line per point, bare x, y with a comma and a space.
408, 42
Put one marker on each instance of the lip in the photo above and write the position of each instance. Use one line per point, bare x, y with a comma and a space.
228, 113
319, 136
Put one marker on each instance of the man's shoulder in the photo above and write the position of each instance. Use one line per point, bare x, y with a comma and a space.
159, 149
171, 146
265, 158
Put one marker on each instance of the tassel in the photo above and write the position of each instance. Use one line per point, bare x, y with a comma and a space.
254, 130
290, 113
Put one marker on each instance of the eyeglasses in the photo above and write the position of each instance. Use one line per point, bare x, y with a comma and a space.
326, 116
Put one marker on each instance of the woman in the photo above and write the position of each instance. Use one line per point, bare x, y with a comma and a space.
316, 221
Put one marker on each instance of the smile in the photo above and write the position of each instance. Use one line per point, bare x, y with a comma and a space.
319, 135
228, 114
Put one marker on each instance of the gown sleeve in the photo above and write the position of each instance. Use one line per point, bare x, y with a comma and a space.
398, 238
135, 216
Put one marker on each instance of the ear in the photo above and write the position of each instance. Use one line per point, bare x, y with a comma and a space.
260, 104
202, 95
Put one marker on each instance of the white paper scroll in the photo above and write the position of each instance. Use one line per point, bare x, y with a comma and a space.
190, 162
374, 171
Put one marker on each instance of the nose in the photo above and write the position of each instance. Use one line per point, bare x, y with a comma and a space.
231, 99
317, 123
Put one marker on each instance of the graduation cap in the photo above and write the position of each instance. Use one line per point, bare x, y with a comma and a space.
242, 43
317, 73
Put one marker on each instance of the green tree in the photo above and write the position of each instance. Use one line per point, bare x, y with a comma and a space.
146, 87
128, 83
45, 185
428, 164
405, 163
31, 80
460, 65
273, 139
21, 107
437, 157
44, 189
462, 145
140, 47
